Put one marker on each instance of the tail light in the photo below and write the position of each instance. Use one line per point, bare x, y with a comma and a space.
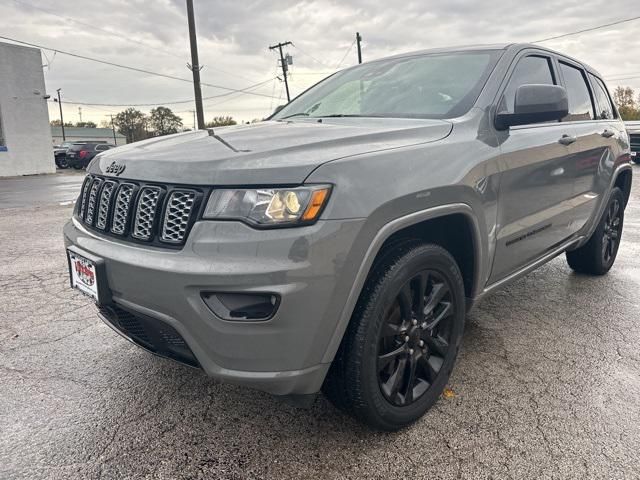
83, 153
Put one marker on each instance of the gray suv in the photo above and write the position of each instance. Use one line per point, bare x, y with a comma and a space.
338, 245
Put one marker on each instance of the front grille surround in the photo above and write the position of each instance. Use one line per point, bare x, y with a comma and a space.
161, 215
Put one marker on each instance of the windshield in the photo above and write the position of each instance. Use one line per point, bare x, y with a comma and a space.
443, 85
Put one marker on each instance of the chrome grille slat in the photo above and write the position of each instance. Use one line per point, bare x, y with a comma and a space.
84, 194
146, 213
91, 203
177, 215
122, 207
105, 204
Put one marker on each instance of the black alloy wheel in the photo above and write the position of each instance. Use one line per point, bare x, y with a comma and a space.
612, 230
415, 338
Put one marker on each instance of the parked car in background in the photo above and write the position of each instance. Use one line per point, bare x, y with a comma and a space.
80, 154
60, 154
340, 244
633, 129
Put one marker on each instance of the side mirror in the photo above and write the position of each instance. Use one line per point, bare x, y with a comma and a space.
278, 108
535, 104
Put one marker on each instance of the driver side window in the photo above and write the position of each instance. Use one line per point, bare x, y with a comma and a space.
533, 69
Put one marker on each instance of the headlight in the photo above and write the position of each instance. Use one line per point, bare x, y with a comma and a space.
269, 206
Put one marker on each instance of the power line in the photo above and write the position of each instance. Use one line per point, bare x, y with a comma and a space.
312, 57
345, 54
127, 67
172, 102
591, 29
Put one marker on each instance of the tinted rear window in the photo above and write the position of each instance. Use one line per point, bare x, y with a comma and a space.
580, 106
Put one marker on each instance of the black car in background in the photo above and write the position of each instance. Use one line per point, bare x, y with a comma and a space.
60, 154
80, 154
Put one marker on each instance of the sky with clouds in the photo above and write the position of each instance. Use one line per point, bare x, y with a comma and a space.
233, 40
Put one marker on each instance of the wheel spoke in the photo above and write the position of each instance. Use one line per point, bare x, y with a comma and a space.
614, 208
391, 329
408, 397
406, 302
446, 311
437, 344
384, 360
438, 292
419, 295
431, 366
391, 386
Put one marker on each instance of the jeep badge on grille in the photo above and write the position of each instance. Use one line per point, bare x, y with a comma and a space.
115, 168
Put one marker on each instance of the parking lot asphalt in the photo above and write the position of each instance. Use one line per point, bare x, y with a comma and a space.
547, 384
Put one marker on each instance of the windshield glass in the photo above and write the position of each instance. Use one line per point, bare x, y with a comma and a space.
443, 85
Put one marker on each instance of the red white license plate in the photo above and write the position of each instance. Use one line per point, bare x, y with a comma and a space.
83, 275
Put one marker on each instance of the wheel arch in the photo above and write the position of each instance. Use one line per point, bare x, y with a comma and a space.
420, 225
623, 182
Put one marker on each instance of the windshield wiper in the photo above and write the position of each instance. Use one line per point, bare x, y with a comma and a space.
299, 114
339, 115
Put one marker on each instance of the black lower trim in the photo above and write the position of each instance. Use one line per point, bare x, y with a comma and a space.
149, 333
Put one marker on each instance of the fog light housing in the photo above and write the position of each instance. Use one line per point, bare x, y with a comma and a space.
241, 307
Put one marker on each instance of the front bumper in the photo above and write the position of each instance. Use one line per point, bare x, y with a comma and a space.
282, 355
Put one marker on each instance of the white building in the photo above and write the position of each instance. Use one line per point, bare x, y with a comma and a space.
25, 134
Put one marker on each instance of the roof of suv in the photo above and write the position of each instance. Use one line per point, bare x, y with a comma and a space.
494, 46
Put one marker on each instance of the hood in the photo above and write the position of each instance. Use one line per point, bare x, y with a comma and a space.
266, 153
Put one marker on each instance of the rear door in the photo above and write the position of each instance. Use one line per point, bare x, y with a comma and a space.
596, 134
535, 189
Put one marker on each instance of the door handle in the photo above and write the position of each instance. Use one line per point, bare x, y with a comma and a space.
608, 134
567, 139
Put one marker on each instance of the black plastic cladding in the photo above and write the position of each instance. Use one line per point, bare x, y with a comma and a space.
166, 190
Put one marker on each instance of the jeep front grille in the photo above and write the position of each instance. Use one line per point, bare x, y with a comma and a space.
161, 215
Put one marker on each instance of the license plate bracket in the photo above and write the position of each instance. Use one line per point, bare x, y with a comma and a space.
87, 274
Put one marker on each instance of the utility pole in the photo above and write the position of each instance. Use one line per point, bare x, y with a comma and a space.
358, 40
283, 63
64, 138
195, 66
80, 113
115, 142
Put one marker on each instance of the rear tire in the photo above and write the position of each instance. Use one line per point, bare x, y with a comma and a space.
596, 257
394, 362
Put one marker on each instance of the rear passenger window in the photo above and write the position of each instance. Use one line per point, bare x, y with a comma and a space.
604, 108
102, 147
580, 106
529, 70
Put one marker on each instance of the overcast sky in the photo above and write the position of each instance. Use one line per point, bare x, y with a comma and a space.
234, 36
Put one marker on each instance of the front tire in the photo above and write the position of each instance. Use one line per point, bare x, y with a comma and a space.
597, 256
403, 339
